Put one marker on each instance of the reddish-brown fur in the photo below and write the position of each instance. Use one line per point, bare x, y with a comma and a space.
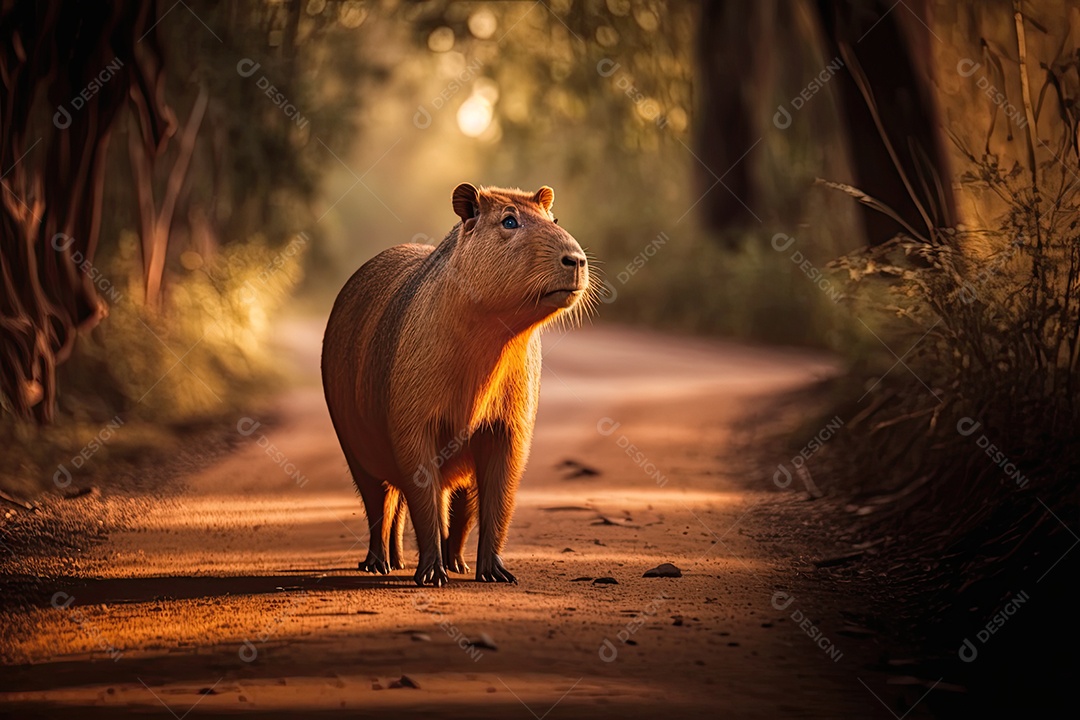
431, 367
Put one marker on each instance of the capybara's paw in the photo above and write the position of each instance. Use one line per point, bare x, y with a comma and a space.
375, 564
453, 559
432, 572
490, 569
456, 563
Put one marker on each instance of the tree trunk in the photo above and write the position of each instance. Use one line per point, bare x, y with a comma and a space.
156, 224
85, 59
888, 114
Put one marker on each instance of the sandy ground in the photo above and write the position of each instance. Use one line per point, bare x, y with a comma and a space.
237, 592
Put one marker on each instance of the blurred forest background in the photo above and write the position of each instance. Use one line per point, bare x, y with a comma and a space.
230, 163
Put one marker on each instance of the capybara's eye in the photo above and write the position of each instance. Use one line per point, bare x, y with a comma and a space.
555, 220
509, 222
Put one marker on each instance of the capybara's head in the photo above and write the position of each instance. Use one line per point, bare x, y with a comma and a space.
513, 260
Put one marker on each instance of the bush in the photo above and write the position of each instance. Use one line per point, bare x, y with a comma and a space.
143, 377
989, 407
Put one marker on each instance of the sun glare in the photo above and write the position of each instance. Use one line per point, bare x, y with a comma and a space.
474, 116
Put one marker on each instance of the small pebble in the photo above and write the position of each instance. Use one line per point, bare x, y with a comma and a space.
663, 570
483, 641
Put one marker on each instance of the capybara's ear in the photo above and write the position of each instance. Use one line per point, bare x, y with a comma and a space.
466, 201
545, 197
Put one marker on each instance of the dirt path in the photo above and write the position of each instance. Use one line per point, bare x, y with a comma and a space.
240, 593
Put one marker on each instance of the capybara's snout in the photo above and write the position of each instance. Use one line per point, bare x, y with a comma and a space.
574, 258
573, 264
569, 275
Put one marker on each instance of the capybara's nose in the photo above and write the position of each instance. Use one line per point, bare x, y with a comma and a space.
574, 260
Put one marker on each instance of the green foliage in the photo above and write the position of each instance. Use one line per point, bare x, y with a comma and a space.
689, 284
286, 82
595, 99
205, 356
207, 348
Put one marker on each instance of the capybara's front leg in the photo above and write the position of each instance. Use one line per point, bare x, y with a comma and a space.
422, 494
498, 469
377, 499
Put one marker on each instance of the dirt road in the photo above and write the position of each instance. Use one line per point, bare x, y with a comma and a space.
238, 591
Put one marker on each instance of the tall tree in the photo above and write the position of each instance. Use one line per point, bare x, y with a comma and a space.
885, 102
87, 59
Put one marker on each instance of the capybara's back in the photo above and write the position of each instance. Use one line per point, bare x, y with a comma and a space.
351, 349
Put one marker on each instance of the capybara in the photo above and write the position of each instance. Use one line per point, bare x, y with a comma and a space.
431, 368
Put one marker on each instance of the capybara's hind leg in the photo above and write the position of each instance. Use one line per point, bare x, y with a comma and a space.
376, 501
397, 531
462, 516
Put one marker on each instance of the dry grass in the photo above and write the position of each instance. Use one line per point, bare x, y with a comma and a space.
962, 450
